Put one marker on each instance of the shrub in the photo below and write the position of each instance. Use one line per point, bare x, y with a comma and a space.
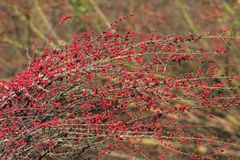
124, 95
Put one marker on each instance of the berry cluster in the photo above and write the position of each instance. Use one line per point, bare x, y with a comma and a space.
119, 94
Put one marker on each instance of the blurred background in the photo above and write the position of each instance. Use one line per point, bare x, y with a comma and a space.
25, 25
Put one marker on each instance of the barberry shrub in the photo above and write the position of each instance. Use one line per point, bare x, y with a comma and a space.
123, 96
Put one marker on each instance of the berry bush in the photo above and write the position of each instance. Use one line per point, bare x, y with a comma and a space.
123, 95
